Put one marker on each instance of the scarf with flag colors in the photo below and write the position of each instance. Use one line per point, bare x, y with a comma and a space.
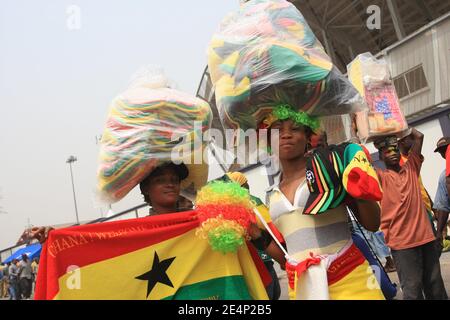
156, 257
264, 211
334, 172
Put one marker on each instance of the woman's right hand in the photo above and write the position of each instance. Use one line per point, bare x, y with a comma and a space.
40, 233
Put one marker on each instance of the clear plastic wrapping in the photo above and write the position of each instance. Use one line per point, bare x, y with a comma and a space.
148, 124
338, 128
265, 54
371, 77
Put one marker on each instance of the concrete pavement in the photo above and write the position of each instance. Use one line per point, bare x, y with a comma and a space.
445, 270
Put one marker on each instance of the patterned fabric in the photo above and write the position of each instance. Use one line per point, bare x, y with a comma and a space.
350, 277
360, 179
319, 234
342, 272
336, 171
324, 175
343, 276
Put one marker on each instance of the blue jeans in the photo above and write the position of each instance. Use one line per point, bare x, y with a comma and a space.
376, 241
419, 272
12, 289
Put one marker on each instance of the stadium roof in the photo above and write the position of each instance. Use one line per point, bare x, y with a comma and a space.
341, 25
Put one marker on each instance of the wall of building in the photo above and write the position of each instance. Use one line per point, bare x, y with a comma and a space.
433, 163
443, 36
433, 128
431, 49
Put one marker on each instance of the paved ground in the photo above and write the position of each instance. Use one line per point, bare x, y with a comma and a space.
445, 270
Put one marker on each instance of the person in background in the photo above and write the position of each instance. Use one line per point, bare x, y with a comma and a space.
4, 280
441, 200
375, 239
25, 277
273, 289
34, 269
446, 155
161, 191
13, 271
405, 145
377, 243
404, 221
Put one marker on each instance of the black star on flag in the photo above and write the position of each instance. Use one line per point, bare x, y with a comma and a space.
157, 273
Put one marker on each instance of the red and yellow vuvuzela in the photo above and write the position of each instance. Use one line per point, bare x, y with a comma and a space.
156, 257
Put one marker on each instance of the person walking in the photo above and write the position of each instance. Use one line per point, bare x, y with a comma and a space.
405, 223
14, 292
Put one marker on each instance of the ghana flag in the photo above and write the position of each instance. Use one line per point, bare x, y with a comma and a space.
360, 178
156, 257
264, 211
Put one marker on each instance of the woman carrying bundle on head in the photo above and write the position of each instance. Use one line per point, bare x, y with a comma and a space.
308, 204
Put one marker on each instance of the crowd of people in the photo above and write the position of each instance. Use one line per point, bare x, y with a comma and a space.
413, 228
400, 228
18, 278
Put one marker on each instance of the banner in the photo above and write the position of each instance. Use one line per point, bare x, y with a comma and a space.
156, 257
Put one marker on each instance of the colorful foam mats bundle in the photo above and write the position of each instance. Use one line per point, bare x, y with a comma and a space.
264, 55
147, 125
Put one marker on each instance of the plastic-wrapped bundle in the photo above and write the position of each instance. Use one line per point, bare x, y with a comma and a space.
338, 128
149, 124
371, 77
265, 55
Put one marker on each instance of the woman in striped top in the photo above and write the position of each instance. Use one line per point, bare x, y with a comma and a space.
324, 262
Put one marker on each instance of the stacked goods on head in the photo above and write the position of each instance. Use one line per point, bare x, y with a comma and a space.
147, 125
265, 55
371, 77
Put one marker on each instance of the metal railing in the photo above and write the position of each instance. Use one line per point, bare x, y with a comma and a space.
117, 215
5, 253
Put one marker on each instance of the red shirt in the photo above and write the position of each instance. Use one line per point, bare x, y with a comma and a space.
447, 162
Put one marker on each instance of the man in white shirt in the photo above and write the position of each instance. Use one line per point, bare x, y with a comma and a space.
25, 277
14, 280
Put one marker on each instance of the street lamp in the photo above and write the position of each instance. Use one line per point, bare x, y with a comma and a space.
70, 161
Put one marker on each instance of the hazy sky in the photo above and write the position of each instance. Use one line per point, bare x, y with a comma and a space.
61, 63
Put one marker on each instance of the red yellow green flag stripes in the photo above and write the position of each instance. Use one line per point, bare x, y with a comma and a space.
156, 257
359, 178
264, 211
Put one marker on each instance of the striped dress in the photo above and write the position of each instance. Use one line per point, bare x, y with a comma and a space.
319, 234
346, 274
